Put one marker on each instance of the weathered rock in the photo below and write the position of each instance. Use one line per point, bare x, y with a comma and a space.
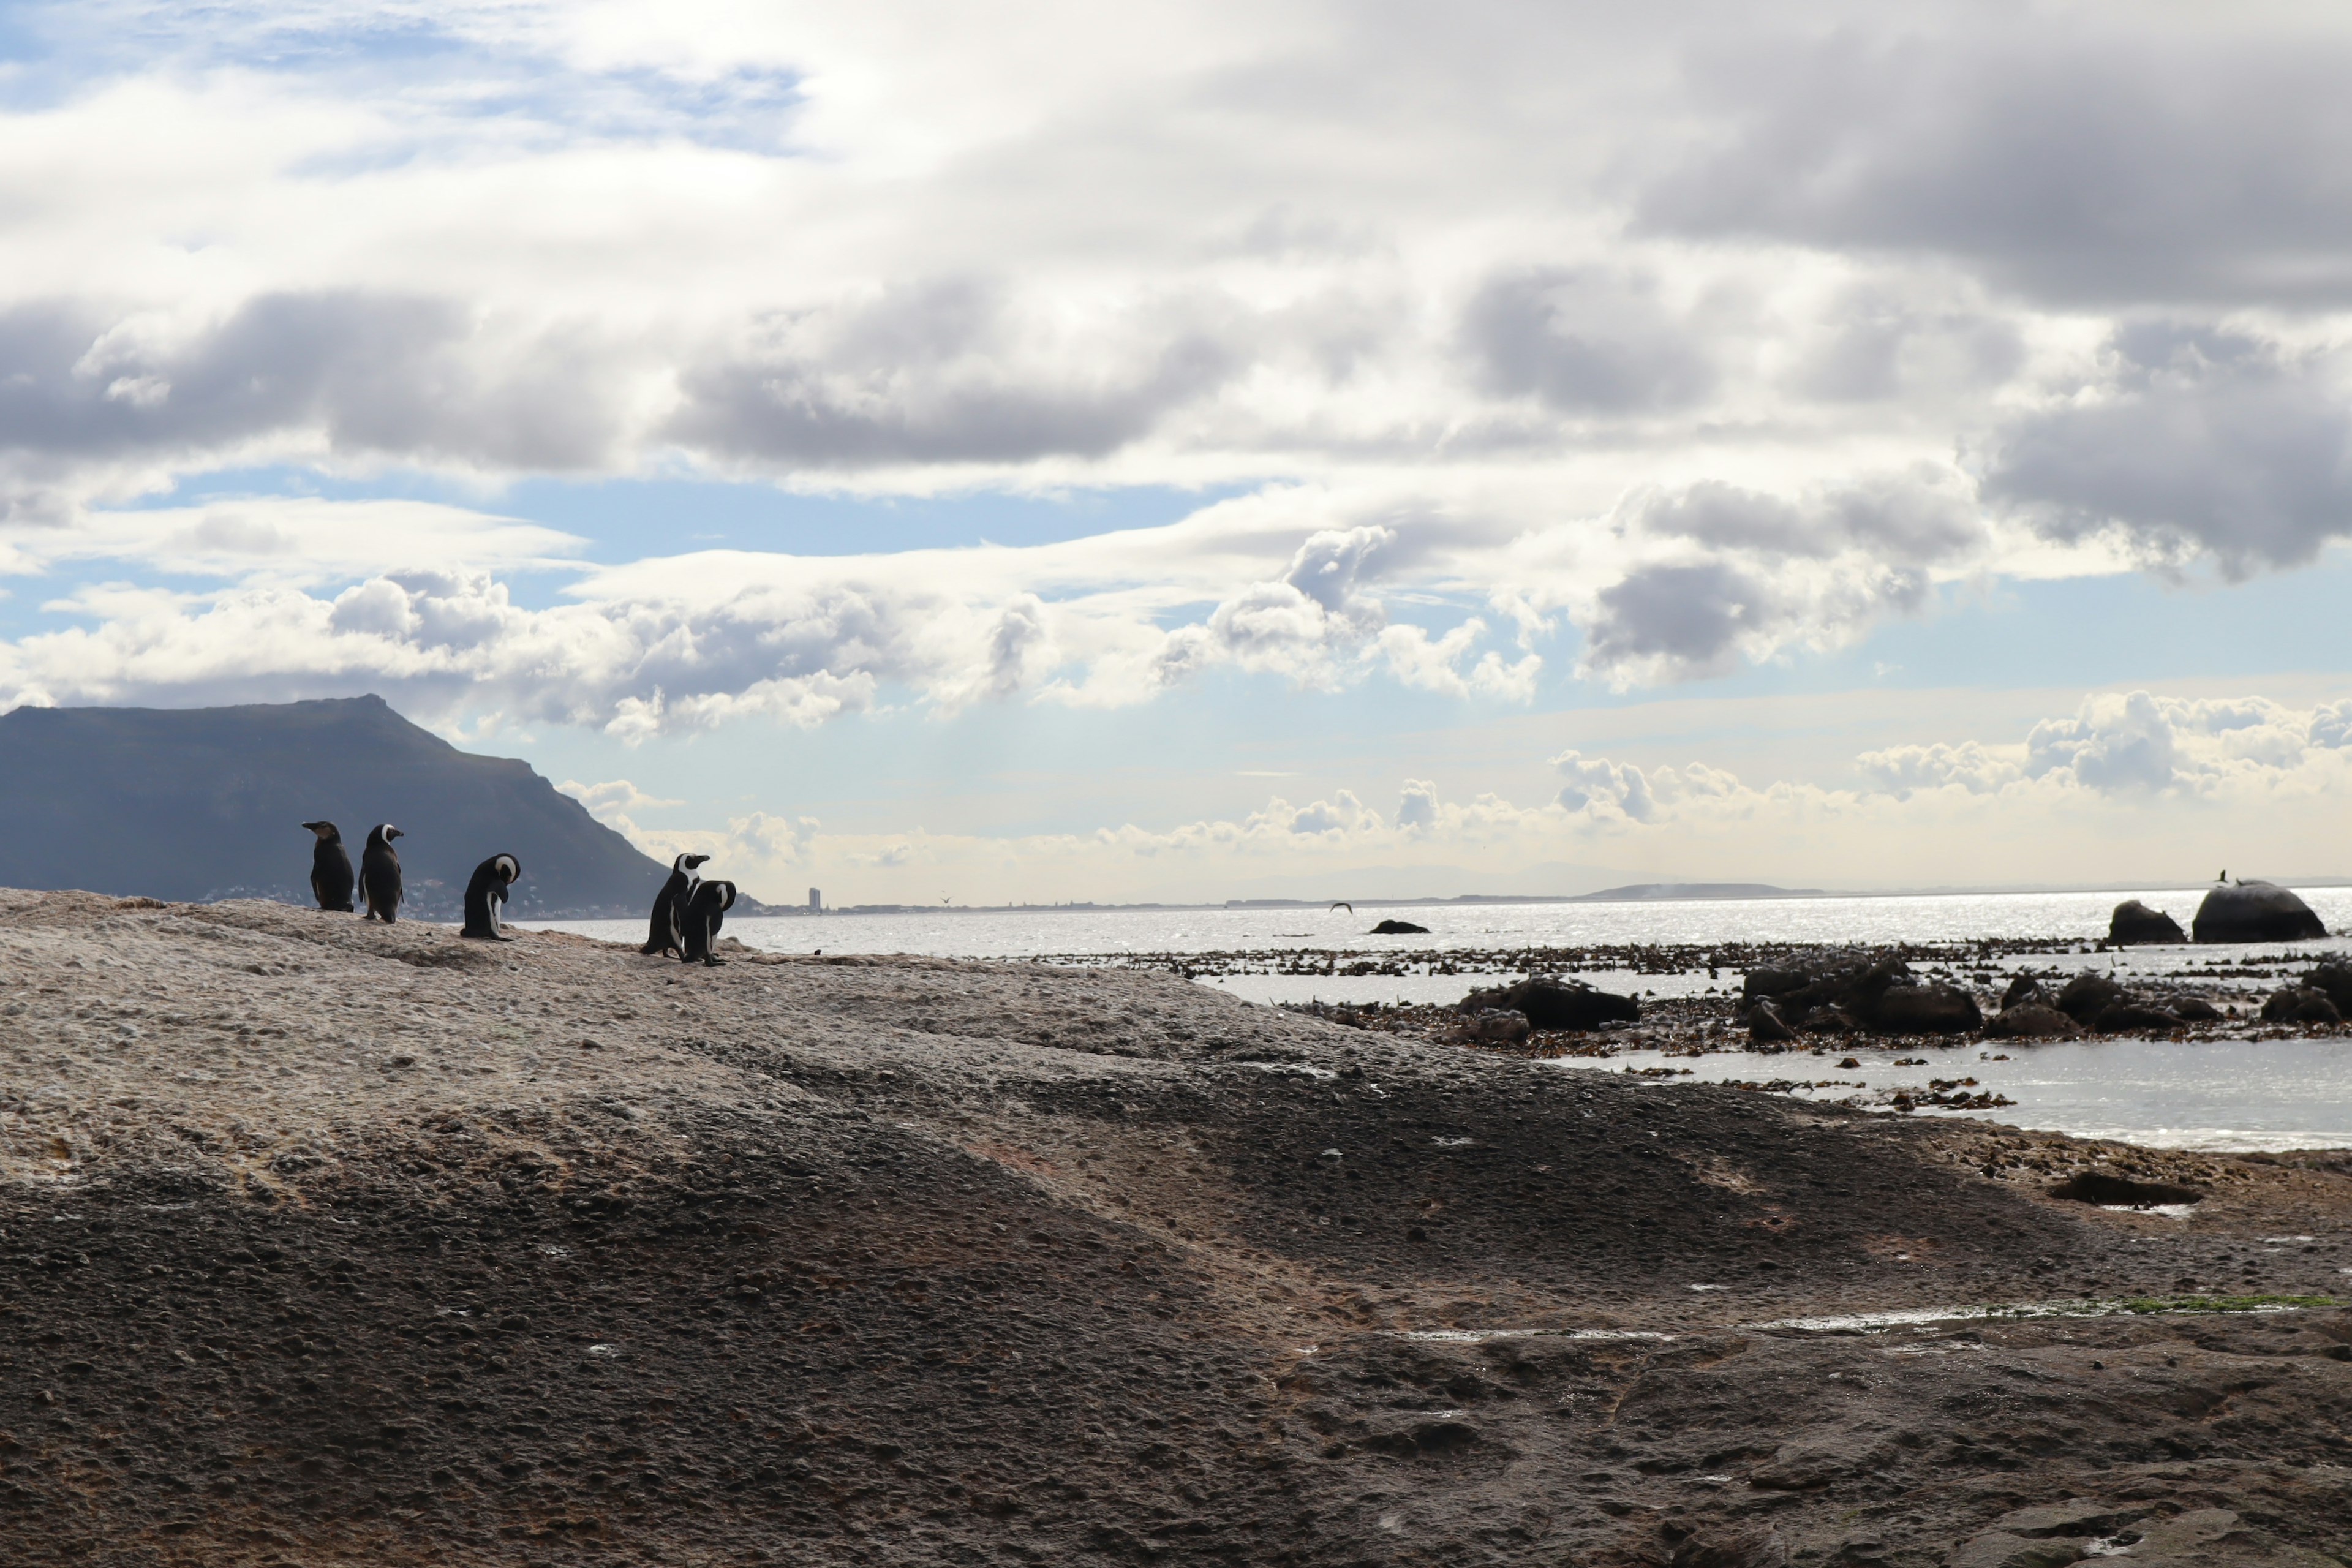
2088, 995
2254, 912
1495, 1027
1930, 1009
2089, 1516
2111, 1191
1832, 1019
2033, 1021
2023, 987
1552, 1003
2130, 1015
2300, 1005
2334, 980
2000, 1549
2194, 1010
1773, 983
2133, 925
1398, 928
1767, 1027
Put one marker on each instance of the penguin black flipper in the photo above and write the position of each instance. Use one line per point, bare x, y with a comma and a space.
662, 931
380, 874
704, 914
486, 892
331, 881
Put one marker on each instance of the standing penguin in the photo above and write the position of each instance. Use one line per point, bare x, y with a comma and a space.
705, 913
486, 897
330, 868
380, 874
670, 902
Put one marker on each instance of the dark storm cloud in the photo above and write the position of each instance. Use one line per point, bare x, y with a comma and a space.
944, 374
1894, 520
2201, 441
1584, 340
2133, 165
372, 373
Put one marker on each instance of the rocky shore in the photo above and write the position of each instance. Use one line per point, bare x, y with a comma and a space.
330, 1243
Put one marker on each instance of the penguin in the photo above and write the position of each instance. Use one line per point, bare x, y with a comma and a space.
662, 935
706, 911
330, 868
380, 874
486, 897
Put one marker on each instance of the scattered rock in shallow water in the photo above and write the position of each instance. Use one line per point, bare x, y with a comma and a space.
2133, 925
1398, 928
1552, 1003
2088, 995
2033, 1021
1767, 1027
2255, 912
2110, 1191
2300, 1005
1931, 1009
2024, 987
2131, 1016
2333, 979
2194, 1010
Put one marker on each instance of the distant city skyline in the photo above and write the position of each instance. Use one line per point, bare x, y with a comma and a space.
1049, 453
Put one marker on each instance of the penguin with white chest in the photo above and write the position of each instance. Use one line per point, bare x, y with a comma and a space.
486, 897
331, 881
670, 904
380, 874
699, 925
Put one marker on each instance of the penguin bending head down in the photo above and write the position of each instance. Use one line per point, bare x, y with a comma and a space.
486, 897
330, 868
699, 925
670, 903
380, 874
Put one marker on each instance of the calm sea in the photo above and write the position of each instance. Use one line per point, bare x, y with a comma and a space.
2221, 1095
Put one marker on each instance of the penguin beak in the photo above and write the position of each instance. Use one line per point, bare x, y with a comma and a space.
395, 833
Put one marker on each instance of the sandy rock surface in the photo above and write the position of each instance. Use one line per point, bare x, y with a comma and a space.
330, 1243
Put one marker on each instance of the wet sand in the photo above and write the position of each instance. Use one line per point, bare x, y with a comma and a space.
337, 1243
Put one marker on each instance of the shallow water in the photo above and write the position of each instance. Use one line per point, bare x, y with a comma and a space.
2218, 1095
2222, 1095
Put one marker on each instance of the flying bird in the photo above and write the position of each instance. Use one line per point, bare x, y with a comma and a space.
1343, 904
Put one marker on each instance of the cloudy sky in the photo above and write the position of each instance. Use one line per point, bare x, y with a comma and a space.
1065, 451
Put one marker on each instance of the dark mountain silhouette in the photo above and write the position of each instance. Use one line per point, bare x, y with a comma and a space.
197, 804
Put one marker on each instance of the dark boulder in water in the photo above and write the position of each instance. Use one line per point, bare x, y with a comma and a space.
1767, 1027
2194, 1010
1929, 1010
1398, 928
2255, 912
1552, 1003
2023, 989
2133, 1017
1846, 992
2300, 1005
2033, 1021
2088, 995
2333, 980
2133, 925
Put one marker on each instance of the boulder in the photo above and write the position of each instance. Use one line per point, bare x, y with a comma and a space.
2023, 987
1495, 1026
1931, 1009
1552, 1003
1773, 983
1767, 1027
2088, 995
1398, 928
2033, 1021
2133, 925
2254, 912
2334, 980
2132, 1016
2300, 1005
2194, 1010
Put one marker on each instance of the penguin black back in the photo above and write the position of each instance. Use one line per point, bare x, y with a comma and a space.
380, 874
706, 911
485, 896
330, 868
670, 904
